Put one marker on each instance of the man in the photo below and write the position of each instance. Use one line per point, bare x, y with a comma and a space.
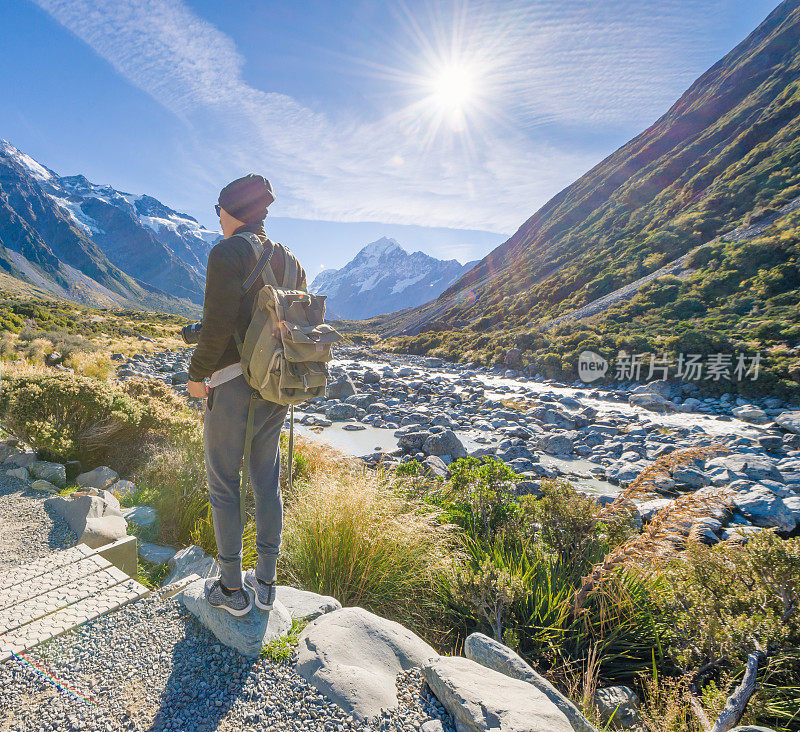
227, 309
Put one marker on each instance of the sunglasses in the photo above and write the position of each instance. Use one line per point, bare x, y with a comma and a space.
217, 209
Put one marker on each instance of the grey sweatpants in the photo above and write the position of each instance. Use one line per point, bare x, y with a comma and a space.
224, 438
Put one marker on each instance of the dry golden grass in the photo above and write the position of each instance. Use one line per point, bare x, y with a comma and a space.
97, 365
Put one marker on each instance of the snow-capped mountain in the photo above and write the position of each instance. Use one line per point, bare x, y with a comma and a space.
384, 277
94, 243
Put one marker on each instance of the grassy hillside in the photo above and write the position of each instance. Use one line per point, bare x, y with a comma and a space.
727, 153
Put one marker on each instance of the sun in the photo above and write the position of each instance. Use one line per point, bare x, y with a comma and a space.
453, 88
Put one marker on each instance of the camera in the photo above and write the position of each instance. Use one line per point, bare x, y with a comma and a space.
191, 333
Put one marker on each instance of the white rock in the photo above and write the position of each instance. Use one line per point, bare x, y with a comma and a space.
191, 560
101, 477
248, 634
750, 413
155, 553
143, 516
353, 656
21, 473
480, 699
790, 421
103, 530
618, 703
494, 655
304, 605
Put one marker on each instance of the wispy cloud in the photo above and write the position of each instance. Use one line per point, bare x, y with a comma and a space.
544, 62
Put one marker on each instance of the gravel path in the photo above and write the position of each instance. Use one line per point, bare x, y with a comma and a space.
151, 666
27, 530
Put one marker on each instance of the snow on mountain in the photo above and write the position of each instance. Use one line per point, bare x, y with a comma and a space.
141, 236
384, 277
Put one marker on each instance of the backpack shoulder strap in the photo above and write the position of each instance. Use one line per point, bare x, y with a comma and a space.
263, 257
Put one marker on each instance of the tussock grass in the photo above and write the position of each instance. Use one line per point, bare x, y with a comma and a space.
362, 541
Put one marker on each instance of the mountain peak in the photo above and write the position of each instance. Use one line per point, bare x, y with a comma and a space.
26, 161
382, 246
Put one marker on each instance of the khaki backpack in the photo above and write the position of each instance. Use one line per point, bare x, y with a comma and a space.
286, 346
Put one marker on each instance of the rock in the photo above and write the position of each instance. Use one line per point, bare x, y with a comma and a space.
352, 657
20, 460
752, 728
435, 466
53, 358
77, 509
122, 488
101, 477
371, 377
342, 388
354, 427
750, 413
412, 441
179, 378
444, 443
480, 699
304, 605
617, 703
248, 634
494, 655
55, 473
191, 560
753, 466
652, 402
433, 725
43, 485
155, 553
692, 477
340, 411
790, 421
21, 473
763, 508
556, 444
142, 516
661, 388
513, 358
73, 469
103, 530
432, 363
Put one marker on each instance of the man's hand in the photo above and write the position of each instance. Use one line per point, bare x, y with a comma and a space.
197, 389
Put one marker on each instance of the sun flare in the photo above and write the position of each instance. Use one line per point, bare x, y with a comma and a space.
453, 88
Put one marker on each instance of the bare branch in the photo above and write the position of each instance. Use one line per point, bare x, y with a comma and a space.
737, 702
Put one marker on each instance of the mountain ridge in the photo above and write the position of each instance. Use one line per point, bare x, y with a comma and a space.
381, 276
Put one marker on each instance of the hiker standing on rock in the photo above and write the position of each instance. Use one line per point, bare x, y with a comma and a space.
234, 411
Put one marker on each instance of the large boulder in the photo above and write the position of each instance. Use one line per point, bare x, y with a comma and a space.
756, 467
340, 411
660, 387
444, 443
352, 657
652, 402
790, 421
494, 655
412, 441
764, 508
556, 444
480, 699
750, 413
54, 473
103, 530
78, 508
248, 634
342, 388
304, 605
100, 478
191, 560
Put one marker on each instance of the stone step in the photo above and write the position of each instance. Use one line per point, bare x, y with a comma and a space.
57, 593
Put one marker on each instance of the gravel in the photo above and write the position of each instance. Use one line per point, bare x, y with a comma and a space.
151, 666
27, 530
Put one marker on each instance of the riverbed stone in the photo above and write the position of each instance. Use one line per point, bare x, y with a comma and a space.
790, 421
750, 413
342, 388
353, 656
340, 411
494, 655
248, 634
481, 699
764, 508
652, 402
444, 443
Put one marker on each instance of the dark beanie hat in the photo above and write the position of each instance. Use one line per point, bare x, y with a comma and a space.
247, 198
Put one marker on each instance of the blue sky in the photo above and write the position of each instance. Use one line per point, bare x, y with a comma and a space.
442, 124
